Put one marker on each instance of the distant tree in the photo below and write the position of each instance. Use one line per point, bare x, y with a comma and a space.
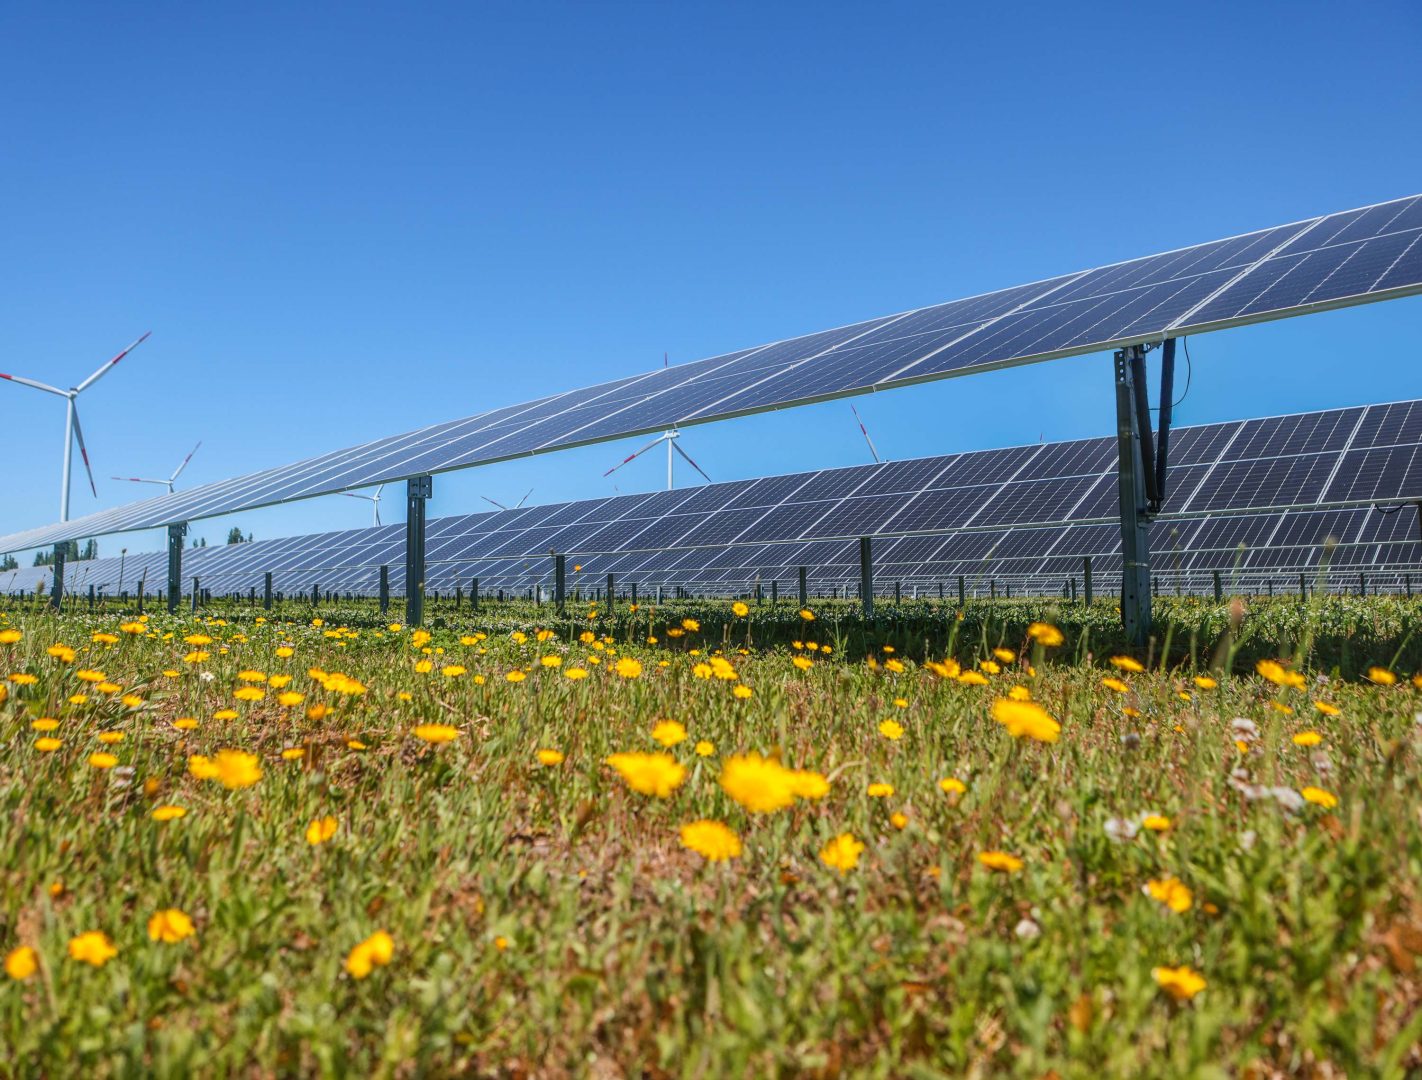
234, 536
9, 562
71, 554
200, 543
91, 549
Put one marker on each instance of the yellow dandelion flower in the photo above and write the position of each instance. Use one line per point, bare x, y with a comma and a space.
1181, 983
712, 840
649, 774
436, 733
170, 926
321, 830
842, 853
1000, 861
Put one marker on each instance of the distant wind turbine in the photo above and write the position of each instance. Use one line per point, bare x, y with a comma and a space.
374, 501
168, 483
72, 430
669, 437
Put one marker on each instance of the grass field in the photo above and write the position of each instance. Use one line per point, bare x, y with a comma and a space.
324, 845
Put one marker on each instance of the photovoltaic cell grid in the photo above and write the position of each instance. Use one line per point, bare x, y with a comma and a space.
1025, 511
1352, 257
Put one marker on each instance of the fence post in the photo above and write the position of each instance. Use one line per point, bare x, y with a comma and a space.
197, 594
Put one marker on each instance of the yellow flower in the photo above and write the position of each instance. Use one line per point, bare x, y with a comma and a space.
185, 723
436, 733
807, 615
761, 785
202, 767
1181, 983
891, 730
1204, 682
168, 813
576, 673
691, 625
628, 668
1005, 655
804, 663
739, 609
321, 829
89, 675
63, 653
1155, 822
424, 667
24, 678
102, 760
10, 636
1307, 738
1045, 634
550, 757
842, 853
1114, 684
1319, 797
375, 951
23, 962
249, 693
1025, 718
952, 785
452, 671
1000, 861
285, 652
649, 774
133, 701
742, 692
551, 661
48, 744
712, 840
1381, 676
1171, 892
1020, 693
896, 666
251, 676
669, 733
1326, 708
44, 723
879, 791
899, 820
516, 676
1279, 675
170, 926
235, 769
293, 753
92, 947
973, 678
989, 666
704, 749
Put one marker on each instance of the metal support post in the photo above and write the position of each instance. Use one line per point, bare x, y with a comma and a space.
140, 596
473, 594
56, 594
610, 594
1303, 587
866, 575
560, 582
197, 593
774, 592
176, 534
1219, 588
418, 490
898, 592
1132, 448
634, 594
91, 597
992, 589
962, 590
804, 574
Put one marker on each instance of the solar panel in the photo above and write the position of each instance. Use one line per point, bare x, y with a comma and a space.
1353, 257
1030, 511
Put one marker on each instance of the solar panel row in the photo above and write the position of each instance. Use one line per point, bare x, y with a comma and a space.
1006, 506
1356, 256
1255, 548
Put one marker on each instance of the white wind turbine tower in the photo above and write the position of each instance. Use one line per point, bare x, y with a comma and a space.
374, 501
168, 483
670, 438
72, 430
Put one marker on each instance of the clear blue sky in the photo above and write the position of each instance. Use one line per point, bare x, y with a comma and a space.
343, 221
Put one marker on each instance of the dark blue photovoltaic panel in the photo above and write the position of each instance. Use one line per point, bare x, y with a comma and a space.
1355, 256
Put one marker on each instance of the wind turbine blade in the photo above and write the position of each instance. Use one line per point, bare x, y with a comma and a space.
108, 365
638, 454
353, 495
495, 502
138, 480
376, 504
184, 465
676, 446
523, 500
865, 431
37, 385
84, 453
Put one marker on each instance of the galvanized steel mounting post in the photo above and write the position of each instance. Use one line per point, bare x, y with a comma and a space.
1135, 524
866, 575
56, 594
418, 490
176, 535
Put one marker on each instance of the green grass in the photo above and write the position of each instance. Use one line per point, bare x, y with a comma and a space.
627, 954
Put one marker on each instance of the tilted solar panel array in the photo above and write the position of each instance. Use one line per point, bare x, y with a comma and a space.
1352, 257
1008, 507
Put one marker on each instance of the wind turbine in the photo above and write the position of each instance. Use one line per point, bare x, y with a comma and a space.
865, 430
72, 430
501, 506
168, 483
373, 499
669, 437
